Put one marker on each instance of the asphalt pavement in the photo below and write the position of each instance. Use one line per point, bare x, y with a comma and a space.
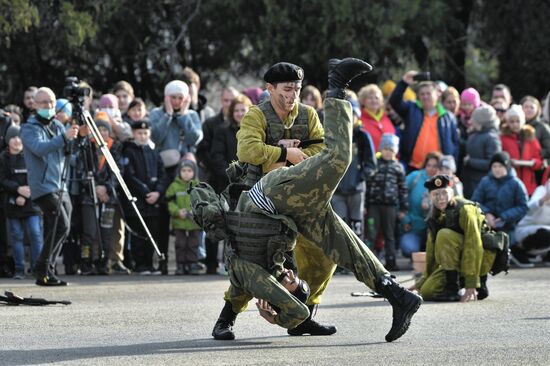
133, 320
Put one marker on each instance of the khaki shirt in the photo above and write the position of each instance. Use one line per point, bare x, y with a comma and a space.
251, 146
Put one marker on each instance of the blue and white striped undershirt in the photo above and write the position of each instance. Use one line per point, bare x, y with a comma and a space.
257, 196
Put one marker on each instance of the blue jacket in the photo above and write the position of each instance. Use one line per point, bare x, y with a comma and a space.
44, 152
413, 116
416, 216
363, 164
505, 198
182, 132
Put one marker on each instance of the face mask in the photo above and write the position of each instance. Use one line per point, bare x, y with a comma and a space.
46, 113
111, 112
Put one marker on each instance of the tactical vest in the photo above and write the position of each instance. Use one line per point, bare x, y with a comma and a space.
451, 220
491, 240
277, 131
254, 237
259, 239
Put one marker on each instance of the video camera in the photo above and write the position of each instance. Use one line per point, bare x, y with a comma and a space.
73, 91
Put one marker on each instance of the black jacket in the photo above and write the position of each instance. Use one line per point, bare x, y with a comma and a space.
224, 151
205, 146
387, 187
143, 173
13, 174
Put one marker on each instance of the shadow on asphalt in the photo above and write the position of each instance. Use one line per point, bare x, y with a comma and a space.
33, 357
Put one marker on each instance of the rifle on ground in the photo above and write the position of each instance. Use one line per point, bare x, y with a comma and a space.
13, 299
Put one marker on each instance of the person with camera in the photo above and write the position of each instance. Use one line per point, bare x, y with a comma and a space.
428, 125
46, 142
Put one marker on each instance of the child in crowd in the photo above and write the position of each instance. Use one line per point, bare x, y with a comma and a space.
137, 110
447, 167
186, 230
502, 196
21, 212
387, 197
146, 179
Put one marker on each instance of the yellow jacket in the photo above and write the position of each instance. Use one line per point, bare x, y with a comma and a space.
251, 146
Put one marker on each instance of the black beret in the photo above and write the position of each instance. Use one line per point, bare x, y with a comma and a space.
438, 182
284, 72
141, 124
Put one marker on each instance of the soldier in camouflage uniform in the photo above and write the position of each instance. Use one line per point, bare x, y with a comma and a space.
303, 193
269, 138
454, 247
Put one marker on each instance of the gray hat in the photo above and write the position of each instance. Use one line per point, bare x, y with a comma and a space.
448, 161
12, 131
485, 116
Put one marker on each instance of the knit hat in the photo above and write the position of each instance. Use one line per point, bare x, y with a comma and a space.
253, 94
448, 161
63, 105
101, 116
176, 87
470, 95
485, 115
107, 125
108, 101
11, 132
501, 157
516, 111
389, 141
185, 163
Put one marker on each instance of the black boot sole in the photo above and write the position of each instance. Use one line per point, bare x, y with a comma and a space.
406, 322
228, 336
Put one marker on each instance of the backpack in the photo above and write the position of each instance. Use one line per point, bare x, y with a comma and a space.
209, 211
499, 242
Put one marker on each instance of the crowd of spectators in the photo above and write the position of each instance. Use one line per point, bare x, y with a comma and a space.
496, 152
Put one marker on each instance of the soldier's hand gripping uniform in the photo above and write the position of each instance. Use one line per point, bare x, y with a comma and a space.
258, 146
303, 193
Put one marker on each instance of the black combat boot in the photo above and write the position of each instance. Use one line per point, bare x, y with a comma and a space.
403, 302
450, 292
223, 329
163, 266
482, 290
45, 276
310, 326
342, 72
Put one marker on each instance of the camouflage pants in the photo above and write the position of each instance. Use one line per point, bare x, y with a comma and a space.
303, 192
448, 253
251, 280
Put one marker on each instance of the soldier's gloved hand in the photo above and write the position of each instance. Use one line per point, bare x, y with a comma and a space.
266, 311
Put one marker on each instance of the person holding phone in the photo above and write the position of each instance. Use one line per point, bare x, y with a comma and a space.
429, 126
